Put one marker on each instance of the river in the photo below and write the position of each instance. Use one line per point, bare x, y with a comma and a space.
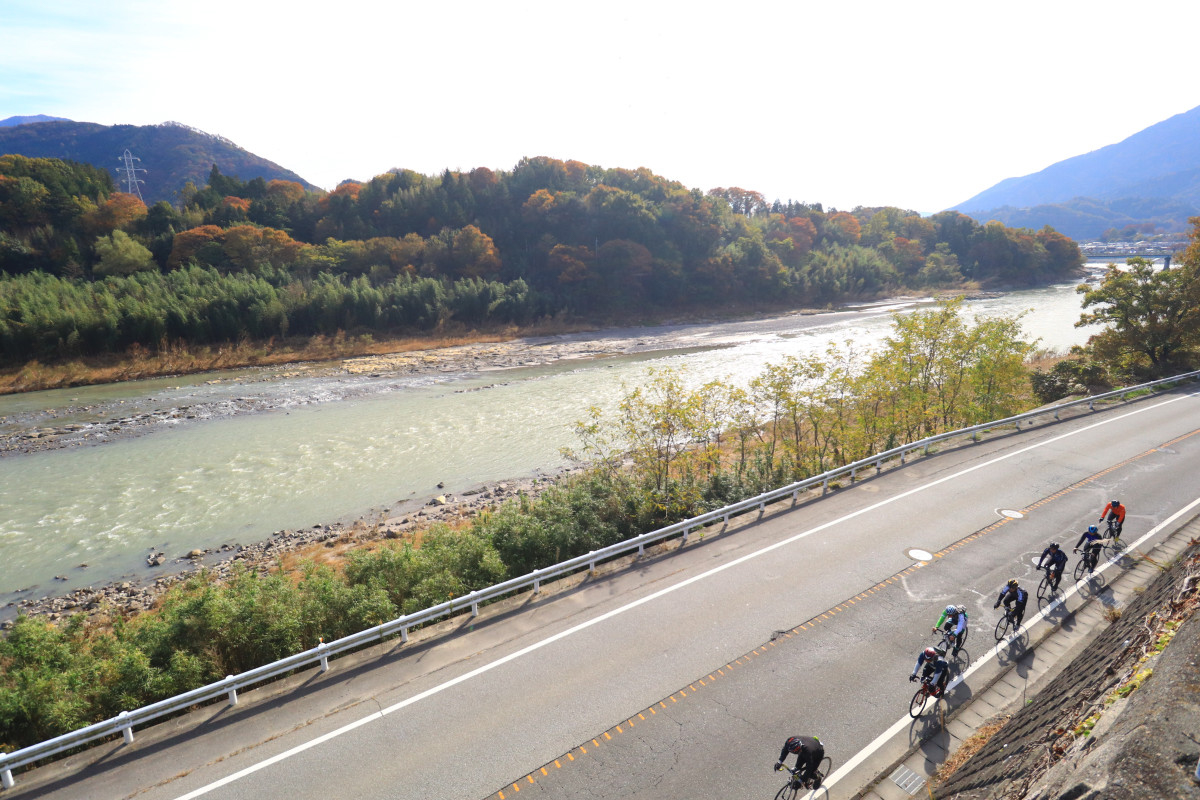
263, 450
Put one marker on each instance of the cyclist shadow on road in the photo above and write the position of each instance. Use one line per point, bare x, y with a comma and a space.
1055, 612
1011, 650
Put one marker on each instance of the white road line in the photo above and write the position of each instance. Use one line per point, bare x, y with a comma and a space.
203, 790
905, 721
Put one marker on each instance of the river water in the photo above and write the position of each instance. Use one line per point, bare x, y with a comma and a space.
329, 447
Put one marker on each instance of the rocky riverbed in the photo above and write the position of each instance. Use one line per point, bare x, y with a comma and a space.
163, 570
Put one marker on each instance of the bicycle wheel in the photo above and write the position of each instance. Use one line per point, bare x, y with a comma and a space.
918, 702
788, 792
1043, 587
1002, 627
1081, 568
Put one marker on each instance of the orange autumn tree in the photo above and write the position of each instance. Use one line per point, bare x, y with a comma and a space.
188, 243
118, 213
248, 247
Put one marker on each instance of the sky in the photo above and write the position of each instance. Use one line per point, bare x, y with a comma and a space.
919, 105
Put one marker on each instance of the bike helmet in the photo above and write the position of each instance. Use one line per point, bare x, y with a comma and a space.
1012, 582
793, 744
950, 609
931, 652
1115, 503
961, 609
1054, 545
1093, 529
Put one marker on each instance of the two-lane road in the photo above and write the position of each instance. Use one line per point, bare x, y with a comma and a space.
682, 675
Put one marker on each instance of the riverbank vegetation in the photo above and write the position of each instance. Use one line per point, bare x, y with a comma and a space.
672, 450
1151, 327
86, 271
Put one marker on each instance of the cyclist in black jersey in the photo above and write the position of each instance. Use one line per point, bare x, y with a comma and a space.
809, 752
1055, 557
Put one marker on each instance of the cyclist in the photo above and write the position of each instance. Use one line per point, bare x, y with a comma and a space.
937, 670
1012, 594
1092, 549
809, 753
1056, 560
1114, 511
955, 619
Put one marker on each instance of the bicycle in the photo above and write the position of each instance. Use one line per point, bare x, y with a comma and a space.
1046, 587
794, 785
948, 639
1009, 620
927, 690
1087, 562
1114, 537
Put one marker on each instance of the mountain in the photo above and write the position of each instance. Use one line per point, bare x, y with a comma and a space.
5, 123
171, 153
1150, 180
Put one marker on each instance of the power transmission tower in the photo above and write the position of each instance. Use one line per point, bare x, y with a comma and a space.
131, 179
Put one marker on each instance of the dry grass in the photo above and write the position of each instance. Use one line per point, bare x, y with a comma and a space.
970, 747
180, 359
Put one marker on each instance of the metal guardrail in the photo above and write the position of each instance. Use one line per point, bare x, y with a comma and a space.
125, 722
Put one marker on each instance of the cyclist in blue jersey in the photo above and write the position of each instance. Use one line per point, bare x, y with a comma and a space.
1011, 594
1091, 543
1055, 558
955, 619
937, 670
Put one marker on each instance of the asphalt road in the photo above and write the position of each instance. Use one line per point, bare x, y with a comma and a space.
682, 675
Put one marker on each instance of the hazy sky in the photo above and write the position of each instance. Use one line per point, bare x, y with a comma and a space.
918, 104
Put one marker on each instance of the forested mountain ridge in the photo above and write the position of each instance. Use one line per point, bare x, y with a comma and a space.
171, 154
1150, 182
89, 269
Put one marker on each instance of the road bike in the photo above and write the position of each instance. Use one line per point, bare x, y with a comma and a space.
1087, 561
1047, 587
947, 640
1009, 620
922, 696
1114, 537
794, 785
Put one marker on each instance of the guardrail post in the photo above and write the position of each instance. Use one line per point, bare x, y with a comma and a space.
592, 567
975, 436
1018, 424
762, 507
404, 636
825, 487
853, 474
474, 607
726, 519
1056, 415
127, 728
6, 778
795, 495
903, 453
1091, 405
232, 692
537, 585
641, 549
879, 466
324, 656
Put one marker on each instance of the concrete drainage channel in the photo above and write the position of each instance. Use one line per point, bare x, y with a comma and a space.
899, 764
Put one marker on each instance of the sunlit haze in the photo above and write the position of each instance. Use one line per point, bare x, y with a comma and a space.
870, 103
